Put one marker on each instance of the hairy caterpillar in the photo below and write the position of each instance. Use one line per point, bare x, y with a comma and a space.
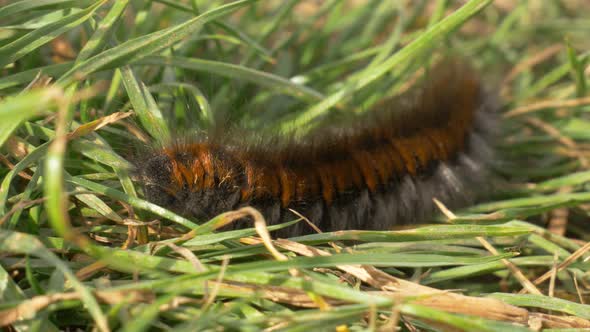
383, 170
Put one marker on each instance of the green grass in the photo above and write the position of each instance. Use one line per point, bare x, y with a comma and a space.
79, 247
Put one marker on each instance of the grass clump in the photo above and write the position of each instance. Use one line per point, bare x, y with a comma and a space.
80, 248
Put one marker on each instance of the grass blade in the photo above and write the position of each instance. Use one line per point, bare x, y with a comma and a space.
143, 46
412, 51
34, 39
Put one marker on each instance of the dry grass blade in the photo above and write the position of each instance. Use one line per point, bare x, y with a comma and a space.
20, 206
551, 291
189, 256
566, 141
524, 281
403, 290
30, 307
547, 104
531, 61
569, 260
548, 321
95, 125
216, 286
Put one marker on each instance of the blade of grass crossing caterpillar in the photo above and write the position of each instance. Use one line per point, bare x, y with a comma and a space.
438, 232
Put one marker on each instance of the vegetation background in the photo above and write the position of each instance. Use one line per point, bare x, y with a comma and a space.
81, 250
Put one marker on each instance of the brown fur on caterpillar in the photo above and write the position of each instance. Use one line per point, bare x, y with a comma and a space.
381, 171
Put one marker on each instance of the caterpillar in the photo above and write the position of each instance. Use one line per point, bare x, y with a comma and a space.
380, 170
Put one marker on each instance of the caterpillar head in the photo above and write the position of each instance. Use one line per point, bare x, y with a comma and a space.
171, 182
156, 177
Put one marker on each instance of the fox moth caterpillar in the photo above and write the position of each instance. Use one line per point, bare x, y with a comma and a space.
382, 170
